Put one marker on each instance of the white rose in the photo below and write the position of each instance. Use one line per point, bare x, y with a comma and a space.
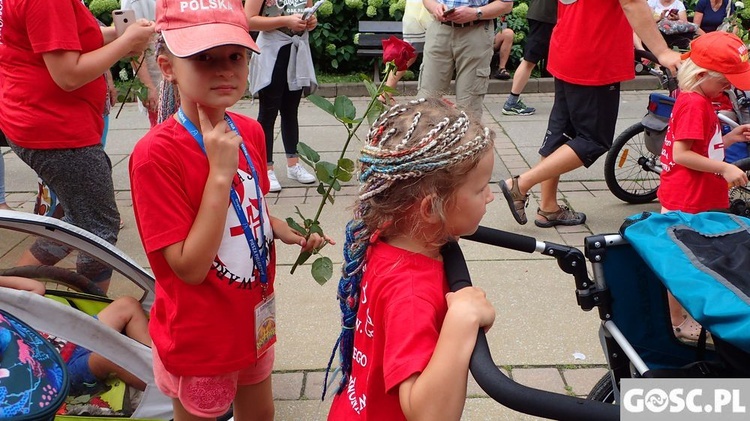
123, 74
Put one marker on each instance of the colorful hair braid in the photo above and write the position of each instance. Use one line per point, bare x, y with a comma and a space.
394, 154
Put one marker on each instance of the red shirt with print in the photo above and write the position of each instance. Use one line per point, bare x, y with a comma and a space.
34, 111
209, 328
682, 188
401, 311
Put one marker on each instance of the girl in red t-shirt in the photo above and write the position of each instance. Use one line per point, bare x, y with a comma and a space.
406, 341
694, 175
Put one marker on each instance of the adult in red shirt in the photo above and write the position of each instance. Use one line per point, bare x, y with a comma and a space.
590, 53
53, 55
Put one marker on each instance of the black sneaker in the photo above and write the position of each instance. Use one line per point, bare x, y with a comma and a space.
519, 108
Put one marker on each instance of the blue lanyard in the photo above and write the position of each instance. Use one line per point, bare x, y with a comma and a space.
259, 254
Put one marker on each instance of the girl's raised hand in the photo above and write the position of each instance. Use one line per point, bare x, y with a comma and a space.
471, 303
740, 133
221, 144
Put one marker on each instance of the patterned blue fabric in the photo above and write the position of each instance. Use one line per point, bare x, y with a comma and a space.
33, 378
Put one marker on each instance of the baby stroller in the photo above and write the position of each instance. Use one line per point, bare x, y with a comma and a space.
66, 314
628, 292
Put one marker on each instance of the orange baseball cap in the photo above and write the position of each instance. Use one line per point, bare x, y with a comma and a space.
192, 26
722, 52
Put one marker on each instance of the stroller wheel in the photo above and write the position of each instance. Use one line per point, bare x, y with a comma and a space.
603, 390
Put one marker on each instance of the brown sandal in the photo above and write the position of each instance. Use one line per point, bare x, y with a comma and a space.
562, 216
516, 201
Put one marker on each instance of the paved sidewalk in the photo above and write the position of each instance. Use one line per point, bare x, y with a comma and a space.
541, 337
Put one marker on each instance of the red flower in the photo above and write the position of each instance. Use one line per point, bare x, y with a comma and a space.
398, 51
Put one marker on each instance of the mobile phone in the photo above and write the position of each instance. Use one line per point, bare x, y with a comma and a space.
122, 19
312, 9
449, 11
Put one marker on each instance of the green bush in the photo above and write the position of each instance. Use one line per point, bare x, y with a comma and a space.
102, 9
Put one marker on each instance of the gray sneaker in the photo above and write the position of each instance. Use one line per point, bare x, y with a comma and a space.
519, 108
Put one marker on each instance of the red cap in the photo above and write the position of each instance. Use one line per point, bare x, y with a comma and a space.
192, 26
722, 52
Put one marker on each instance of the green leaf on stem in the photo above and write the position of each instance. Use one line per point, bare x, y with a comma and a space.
322, 173
308, 152
344, 109
295, 226
322, 270
315, 229
322, 103
321, 189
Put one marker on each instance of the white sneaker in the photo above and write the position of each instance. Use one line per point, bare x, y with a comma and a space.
275, 186
299, 173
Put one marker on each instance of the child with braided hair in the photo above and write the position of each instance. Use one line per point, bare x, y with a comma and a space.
406, 340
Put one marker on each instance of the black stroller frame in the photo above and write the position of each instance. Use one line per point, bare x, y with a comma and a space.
632, 349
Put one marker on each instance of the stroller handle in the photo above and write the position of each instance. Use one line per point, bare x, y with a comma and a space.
498, 386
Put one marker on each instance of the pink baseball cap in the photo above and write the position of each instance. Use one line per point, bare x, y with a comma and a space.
192, 26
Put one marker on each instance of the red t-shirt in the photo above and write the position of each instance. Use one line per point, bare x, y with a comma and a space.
34, 111
592, 44
401, 311
205, 329
681, 188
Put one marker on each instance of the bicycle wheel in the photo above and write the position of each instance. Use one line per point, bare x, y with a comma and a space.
603, 390
56, 278
630, 170
739, 197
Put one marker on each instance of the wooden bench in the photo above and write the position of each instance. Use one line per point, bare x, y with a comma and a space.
371, 35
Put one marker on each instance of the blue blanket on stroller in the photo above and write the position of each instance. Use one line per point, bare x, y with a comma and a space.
704, 261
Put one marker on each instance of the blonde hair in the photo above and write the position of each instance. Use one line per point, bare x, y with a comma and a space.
688, 77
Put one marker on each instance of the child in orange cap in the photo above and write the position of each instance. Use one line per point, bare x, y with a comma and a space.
198, 184
694, 175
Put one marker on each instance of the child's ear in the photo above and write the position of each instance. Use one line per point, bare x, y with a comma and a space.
427, 209
165, 65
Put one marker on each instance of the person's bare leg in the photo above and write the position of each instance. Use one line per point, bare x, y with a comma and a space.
181, 414
126, 314
505, 48
521, 77
102, 368
254, 402
561, 161
28, 259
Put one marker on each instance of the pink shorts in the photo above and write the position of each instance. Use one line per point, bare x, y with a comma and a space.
210, 397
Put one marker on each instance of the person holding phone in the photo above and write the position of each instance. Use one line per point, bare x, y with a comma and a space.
53, 56
460, 41
278, 80
668, 9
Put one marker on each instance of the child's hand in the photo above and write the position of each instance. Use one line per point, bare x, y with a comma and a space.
471, 303
221, 144
287, 235
740, 133
735, 177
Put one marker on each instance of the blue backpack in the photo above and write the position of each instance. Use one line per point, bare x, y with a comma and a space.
33, 376
704, 261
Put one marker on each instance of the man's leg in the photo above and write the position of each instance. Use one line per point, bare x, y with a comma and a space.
437, 67
473, 51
